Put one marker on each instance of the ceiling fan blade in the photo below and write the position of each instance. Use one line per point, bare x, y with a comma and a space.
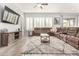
35, 6
44, 3
41, 7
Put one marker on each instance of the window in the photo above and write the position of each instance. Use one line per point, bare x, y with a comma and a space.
68, 22
48, 21
32, 22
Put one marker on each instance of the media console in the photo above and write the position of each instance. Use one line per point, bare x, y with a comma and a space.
9, 38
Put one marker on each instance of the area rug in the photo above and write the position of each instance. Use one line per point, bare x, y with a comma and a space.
55, 47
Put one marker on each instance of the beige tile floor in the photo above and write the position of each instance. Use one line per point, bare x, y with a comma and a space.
33, 46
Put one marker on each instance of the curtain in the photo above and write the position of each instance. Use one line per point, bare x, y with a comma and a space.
32, 22
42, 22
29, 23
49, 22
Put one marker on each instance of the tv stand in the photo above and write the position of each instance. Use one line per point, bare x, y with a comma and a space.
13, 36
3, 39
9, 38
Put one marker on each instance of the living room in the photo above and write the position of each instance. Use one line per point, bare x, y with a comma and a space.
39, 29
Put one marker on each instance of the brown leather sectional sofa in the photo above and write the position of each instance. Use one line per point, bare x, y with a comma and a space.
69, 35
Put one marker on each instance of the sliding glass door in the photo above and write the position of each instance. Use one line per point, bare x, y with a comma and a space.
48, 22
29, 23
69, 22
39, 22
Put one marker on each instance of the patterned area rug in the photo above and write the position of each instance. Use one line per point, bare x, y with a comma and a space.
55, 47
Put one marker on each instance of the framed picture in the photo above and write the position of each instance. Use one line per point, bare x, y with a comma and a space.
57, 21
16, 19
9, 16
13, 18
5, 15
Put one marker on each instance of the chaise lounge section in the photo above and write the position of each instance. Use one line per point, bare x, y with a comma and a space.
69, 35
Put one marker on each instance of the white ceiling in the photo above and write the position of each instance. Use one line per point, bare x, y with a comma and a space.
50, 8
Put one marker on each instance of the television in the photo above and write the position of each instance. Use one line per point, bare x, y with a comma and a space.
10, 16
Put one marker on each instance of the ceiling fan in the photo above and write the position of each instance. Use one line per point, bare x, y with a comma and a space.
40, 5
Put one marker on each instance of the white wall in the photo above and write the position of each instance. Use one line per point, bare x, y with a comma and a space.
11, 27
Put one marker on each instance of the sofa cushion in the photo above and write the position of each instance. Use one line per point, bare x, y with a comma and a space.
77, 34
73, 44
63, 37
59, 30
62, 30
73, 39
42, 30
72, 31
57, 35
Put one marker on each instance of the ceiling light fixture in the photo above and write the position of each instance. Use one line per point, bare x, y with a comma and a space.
41, 5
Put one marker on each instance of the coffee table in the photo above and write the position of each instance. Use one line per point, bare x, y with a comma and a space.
45, 38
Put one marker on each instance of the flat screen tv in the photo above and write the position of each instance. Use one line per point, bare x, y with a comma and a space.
10, 16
